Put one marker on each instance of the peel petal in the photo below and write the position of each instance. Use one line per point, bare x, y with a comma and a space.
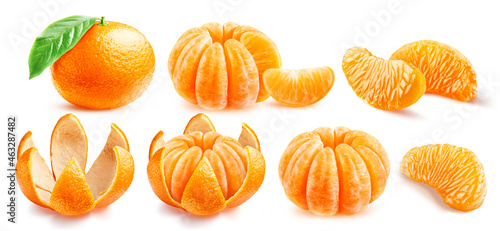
34, 177
255, 176
71, 194
107, 167
203, 195
68, 140
157, 143
248, 137
24, 144
199, 122
156, 178
122, 180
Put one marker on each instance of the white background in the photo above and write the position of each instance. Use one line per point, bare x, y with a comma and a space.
308, 34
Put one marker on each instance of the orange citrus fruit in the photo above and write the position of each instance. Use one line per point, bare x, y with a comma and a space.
334, 171
67, 189
205, 172
454, 172
383, 84
218, 66
297, 88
447, 71
111, 66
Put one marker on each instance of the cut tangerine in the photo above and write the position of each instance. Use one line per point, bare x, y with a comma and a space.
297, 88
447, 71
454, 172
383, 84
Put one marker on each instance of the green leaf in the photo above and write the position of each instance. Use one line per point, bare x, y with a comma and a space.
57, 39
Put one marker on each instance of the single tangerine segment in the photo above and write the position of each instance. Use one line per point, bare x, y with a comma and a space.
328, 171
218, 66
446, 70
454, 172
297, 88
74, 192
383, 84
205, 172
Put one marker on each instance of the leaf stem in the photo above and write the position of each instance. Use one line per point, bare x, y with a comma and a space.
102, 22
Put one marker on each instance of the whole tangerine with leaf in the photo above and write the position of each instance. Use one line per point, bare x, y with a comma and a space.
66, 188
94, 63
204, 172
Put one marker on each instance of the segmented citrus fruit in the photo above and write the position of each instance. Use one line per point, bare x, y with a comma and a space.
67, 189
204, 172
218, 66
447, 71
454, 172
298, 88
111, 66
334, 171
383, 84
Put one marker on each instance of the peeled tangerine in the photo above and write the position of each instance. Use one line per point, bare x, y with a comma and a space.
447, 71
297, 88
67, 189
454, 172
204, 172
334, 171
383, 84
218, 66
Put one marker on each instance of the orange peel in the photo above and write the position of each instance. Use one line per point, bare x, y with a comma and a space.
67, 189
204, 172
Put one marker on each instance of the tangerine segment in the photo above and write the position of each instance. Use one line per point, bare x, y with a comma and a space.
212, 89
447, 71
35, 179
243, 84
297, 88
323, 184
329, 171
218, 66
264, 52
454, 172
383, 84
68, 140
71, 194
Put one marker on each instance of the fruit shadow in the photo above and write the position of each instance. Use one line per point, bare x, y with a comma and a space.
428, 192
60, 220
188, 219
305, 213
405, 112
